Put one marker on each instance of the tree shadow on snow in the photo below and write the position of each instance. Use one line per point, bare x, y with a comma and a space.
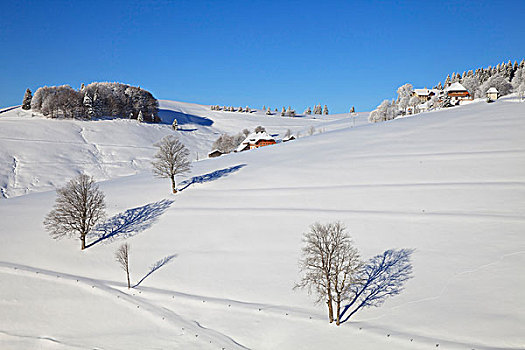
130, 222
167, 116
217, 174
157, 265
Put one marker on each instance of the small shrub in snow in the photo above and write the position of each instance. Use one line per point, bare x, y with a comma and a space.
122, 257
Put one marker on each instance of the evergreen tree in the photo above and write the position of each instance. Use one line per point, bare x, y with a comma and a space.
140, 118
308, 111
174, 125
26, 104
447, 81
88, 106
325, 110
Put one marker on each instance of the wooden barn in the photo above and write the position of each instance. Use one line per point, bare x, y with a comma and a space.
256, 140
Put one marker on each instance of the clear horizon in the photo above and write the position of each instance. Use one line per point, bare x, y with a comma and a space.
297, 54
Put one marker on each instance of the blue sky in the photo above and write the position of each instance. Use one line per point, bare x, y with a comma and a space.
273, 53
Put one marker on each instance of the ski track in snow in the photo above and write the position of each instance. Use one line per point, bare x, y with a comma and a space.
195, 329
55, 341
192, 328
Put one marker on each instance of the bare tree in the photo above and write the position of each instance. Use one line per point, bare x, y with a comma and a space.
78, 208
328, 264
122, 257
332, 269
260, 129
346, 265
171, 159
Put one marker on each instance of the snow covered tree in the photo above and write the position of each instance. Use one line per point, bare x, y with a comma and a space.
283, 112
308, 111
140, 118
328, 265
122, 257
88, 106
352, 110
269, 111
260, 129
246, 132
472, 84
174, 125
79, 206
171, 159
26, 103
499, 82
414, 103
385, 111
325, 110
404, 93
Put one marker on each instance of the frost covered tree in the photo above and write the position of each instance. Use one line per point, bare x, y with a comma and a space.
268, 111
283, 112
140, 118
79, 206
174, 125
404, 93
122, 257
328, 265
499, 82
414, 103
171, 159
385, 111
352, 110
26, 103
260, 129
88, 106
325, 110
472, 84
308, 111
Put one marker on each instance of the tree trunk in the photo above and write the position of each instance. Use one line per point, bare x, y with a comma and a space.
127, 274
83, 242
173, 185
330, 309
338, 312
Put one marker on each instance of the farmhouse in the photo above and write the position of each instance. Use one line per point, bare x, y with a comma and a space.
256, 140
425, 94
457, 93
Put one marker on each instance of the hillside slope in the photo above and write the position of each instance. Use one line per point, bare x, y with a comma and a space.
37, 153
449, 184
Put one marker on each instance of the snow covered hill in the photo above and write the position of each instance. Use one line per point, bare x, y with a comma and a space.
449, 184
38, 154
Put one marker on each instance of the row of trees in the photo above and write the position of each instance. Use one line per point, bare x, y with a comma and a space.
94, 101
231, 109
317, 110
332, 270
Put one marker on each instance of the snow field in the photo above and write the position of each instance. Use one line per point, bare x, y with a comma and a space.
449, 184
